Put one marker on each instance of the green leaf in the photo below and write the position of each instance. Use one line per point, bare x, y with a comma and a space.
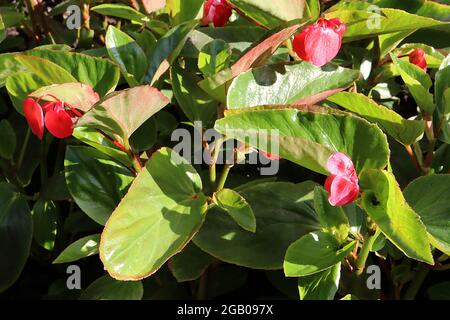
439, 291
256, 55
106, 288
16, 231
20, 85
184, 10
332, 219
9, 140
44, 223
45, 69
95, 181
101, 74
313, 253
82, 248
166, 50
127, 54
2, 29
9, 66
120, 11
363, 23
81, 96
214, 57
301, 83
189, 264
195, 103
418, 82
284, 212
309, 138
404, 131
161, 212
384, 203
123, 112
271, 14
145, 136
442, 87
428, 197
320, 286
237, 207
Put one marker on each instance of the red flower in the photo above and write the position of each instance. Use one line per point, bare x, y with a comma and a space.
217, 12
58, 121
417, 57
35, 116
342, 184
320, 42
270, 156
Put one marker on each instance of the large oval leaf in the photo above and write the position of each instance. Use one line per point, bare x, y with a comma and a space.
105, 288
309, 138
402, 130
428, 196
16, 232
161, 212
283, 211
96, 182
384, 203
301, 83
123, 112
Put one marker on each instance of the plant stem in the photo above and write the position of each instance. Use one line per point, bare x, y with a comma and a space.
137, 165
24, 148
365, 250
416, 283
223, 177
43, 164
212, 164
414, 158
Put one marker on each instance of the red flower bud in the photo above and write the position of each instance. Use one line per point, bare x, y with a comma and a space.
320, 42
217, 12
342, 185
417, 57
59, 123
35, 117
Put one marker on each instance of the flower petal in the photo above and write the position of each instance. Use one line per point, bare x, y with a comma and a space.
35, 117
340, 164
59, 123
342, 191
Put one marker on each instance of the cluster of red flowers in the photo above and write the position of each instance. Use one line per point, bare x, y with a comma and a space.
51, 115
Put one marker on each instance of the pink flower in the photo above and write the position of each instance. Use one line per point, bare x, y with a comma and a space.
342, 184
417, 57
58, 121
217, 12
320, 42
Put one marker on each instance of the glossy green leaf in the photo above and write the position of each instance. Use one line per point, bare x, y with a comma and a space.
16, 231
195, 103
161, 212
123, 112
9, 66
418, 83
442, 87
271, 14
428, 197
313, 253
82, 248
106, 288
332, 219
284, 212
45, 69
301, 83
320, 286
20, 85
256, 55
2, 29
214, 57
309, 138
402, 130
44, 223
189, 264
95, 181
166, 50
363, 23
127, 54
184, 10
9, 140
120, 11
80, 96
101, 74
237, 207
383, 201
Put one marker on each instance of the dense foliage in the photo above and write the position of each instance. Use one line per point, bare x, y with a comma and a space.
166, 149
